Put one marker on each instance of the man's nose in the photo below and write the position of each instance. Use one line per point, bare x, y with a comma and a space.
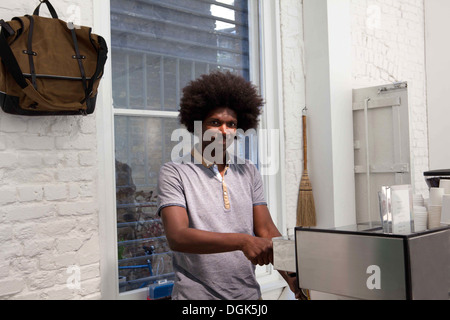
224, 129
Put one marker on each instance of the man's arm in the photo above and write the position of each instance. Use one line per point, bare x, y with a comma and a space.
262, 223
184, 239
264, 227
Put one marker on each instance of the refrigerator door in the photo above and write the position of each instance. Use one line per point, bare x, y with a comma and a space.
430, 266
359, 266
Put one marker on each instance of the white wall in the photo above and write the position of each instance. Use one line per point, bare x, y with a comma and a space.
292, 47
329, 115
437, 24
48, 193
388, 46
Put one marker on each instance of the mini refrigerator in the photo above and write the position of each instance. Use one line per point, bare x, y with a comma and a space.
362, 262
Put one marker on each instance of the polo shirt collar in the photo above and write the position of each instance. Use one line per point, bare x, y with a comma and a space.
205, 162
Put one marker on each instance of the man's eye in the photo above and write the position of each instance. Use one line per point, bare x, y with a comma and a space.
232, 124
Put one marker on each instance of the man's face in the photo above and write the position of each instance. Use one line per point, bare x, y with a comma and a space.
220, 127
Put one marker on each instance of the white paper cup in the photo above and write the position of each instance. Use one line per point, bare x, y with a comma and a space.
436, 197
434, 216
420, 218
445, 213
420, 221
418, 202
420, 225
419, 210
445, 184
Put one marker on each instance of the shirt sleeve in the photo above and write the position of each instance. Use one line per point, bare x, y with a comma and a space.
258, 197
170, 188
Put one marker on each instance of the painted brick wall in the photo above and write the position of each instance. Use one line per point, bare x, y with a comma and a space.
291, 29
389, 46
48, 193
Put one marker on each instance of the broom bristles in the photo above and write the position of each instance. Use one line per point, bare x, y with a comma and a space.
306, 211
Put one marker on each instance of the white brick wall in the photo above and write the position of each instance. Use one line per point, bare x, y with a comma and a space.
389, 46
291, 18
48, 197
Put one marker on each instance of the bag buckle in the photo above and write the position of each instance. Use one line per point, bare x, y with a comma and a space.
30, 53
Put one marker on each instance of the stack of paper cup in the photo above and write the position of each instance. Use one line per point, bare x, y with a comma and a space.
434, 216
445, 214
436, 196
418, 201
420, 218
435, 207
445, 184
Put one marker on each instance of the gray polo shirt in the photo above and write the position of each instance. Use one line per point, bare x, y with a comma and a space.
217, 205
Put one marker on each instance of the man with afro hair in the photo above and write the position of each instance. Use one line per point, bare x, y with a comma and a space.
212, 206
216, 90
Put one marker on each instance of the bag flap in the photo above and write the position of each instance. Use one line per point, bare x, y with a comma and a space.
53, 44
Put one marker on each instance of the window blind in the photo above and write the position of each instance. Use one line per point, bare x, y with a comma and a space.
207, 31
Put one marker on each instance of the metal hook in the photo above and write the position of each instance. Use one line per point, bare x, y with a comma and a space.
304, 110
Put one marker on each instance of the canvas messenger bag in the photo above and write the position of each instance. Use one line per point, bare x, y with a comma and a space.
49, 67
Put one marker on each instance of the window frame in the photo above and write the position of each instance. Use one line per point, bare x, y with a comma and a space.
265, 52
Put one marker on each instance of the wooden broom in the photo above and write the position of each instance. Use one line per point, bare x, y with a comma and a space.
306, 211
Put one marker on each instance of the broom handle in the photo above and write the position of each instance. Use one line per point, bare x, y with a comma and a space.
305, 155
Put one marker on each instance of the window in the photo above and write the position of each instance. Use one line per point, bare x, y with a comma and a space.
157, 47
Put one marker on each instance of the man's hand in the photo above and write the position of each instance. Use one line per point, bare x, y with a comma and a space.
293, 285
258, 250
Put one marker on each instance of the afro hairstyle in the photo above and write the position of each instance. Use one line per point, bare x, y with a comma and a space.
220, 90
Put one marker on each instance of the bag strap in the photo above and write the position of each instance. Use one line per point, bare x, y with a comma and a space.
79, 58
30, 51
7, 27
101, 60
10, 61
50, 9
